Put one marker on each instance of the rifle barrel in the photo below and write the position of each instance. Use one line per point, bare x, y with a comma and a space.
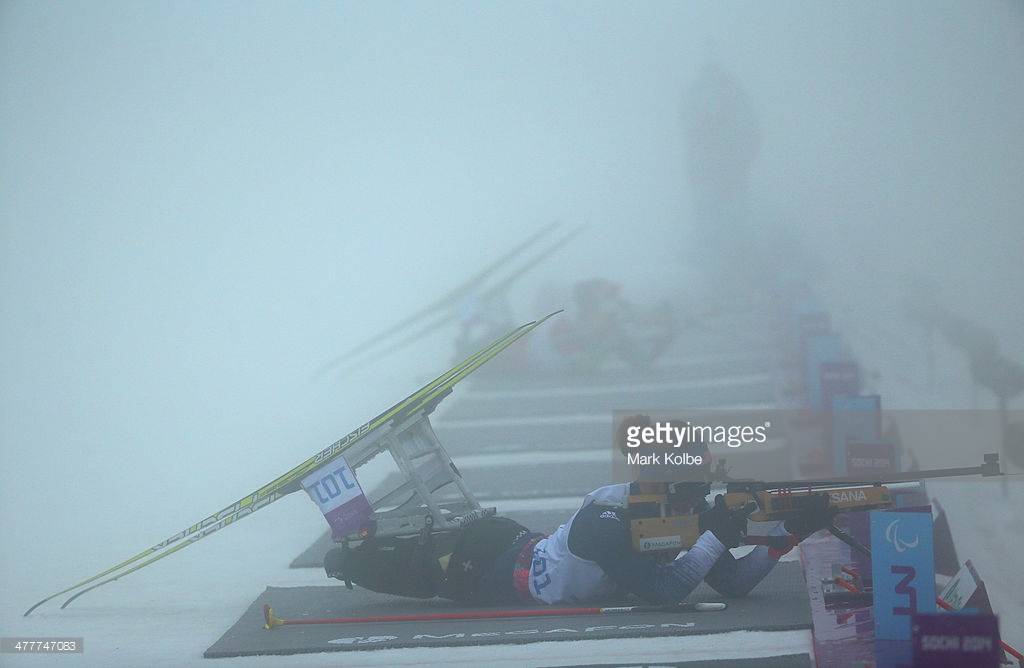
989, 468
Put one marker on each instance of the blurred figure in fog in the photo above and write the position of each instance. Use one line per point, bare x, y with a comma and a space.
602, 326
744, 252
723, 137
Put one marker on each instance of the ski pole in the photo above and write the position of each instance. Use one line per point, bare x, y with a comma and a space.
271, 621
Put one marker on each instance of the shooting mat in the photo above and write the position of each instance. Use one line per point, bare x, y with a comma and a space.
779, 603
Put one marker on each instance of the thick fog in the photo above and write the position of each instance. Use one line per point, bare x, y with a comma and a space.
202, 204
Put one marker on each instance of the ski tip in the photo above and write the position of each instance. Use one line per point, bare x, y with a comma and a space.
269, 620
29, 611
709, 607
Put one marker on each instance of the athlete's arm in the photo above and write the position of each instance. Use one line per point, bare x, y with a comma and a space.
736, 577
601, 534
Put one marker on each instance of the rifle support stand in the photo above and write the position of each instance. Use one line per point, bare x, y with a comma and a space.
850, 540
426, 494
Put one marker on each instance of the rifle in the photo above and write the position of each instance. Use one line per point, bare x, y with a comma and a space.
655, 528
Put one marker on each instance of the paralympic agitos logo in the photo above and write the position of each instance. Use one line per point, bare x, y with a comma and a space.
892, 535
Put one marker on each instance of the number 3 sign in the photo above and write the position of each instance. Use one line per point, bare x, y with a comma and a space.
902, 571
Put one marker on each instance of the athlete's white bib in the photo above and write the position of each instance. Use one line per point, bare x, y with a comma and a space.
558, 575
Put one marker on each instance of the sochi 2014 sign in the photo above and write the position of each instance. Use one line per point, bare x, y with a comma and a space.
955, 640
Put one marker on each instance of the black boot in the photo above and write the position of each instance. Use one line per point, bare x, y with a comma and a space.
404, 566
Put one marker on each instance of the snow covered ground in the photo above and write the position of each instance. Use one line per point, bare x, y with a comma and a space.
168, 614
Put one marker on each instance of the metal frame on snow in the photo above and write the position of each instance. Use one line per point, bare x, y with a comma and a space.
431, 495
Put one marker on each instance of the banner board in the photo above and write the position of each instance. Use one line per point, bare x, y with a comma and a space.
902, 571
819, 349
854, 419
837, 378
956, 640
335, 490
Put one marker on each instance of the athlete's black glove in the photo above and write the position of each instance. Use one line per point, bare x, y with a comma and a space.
816, 514
729, 526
